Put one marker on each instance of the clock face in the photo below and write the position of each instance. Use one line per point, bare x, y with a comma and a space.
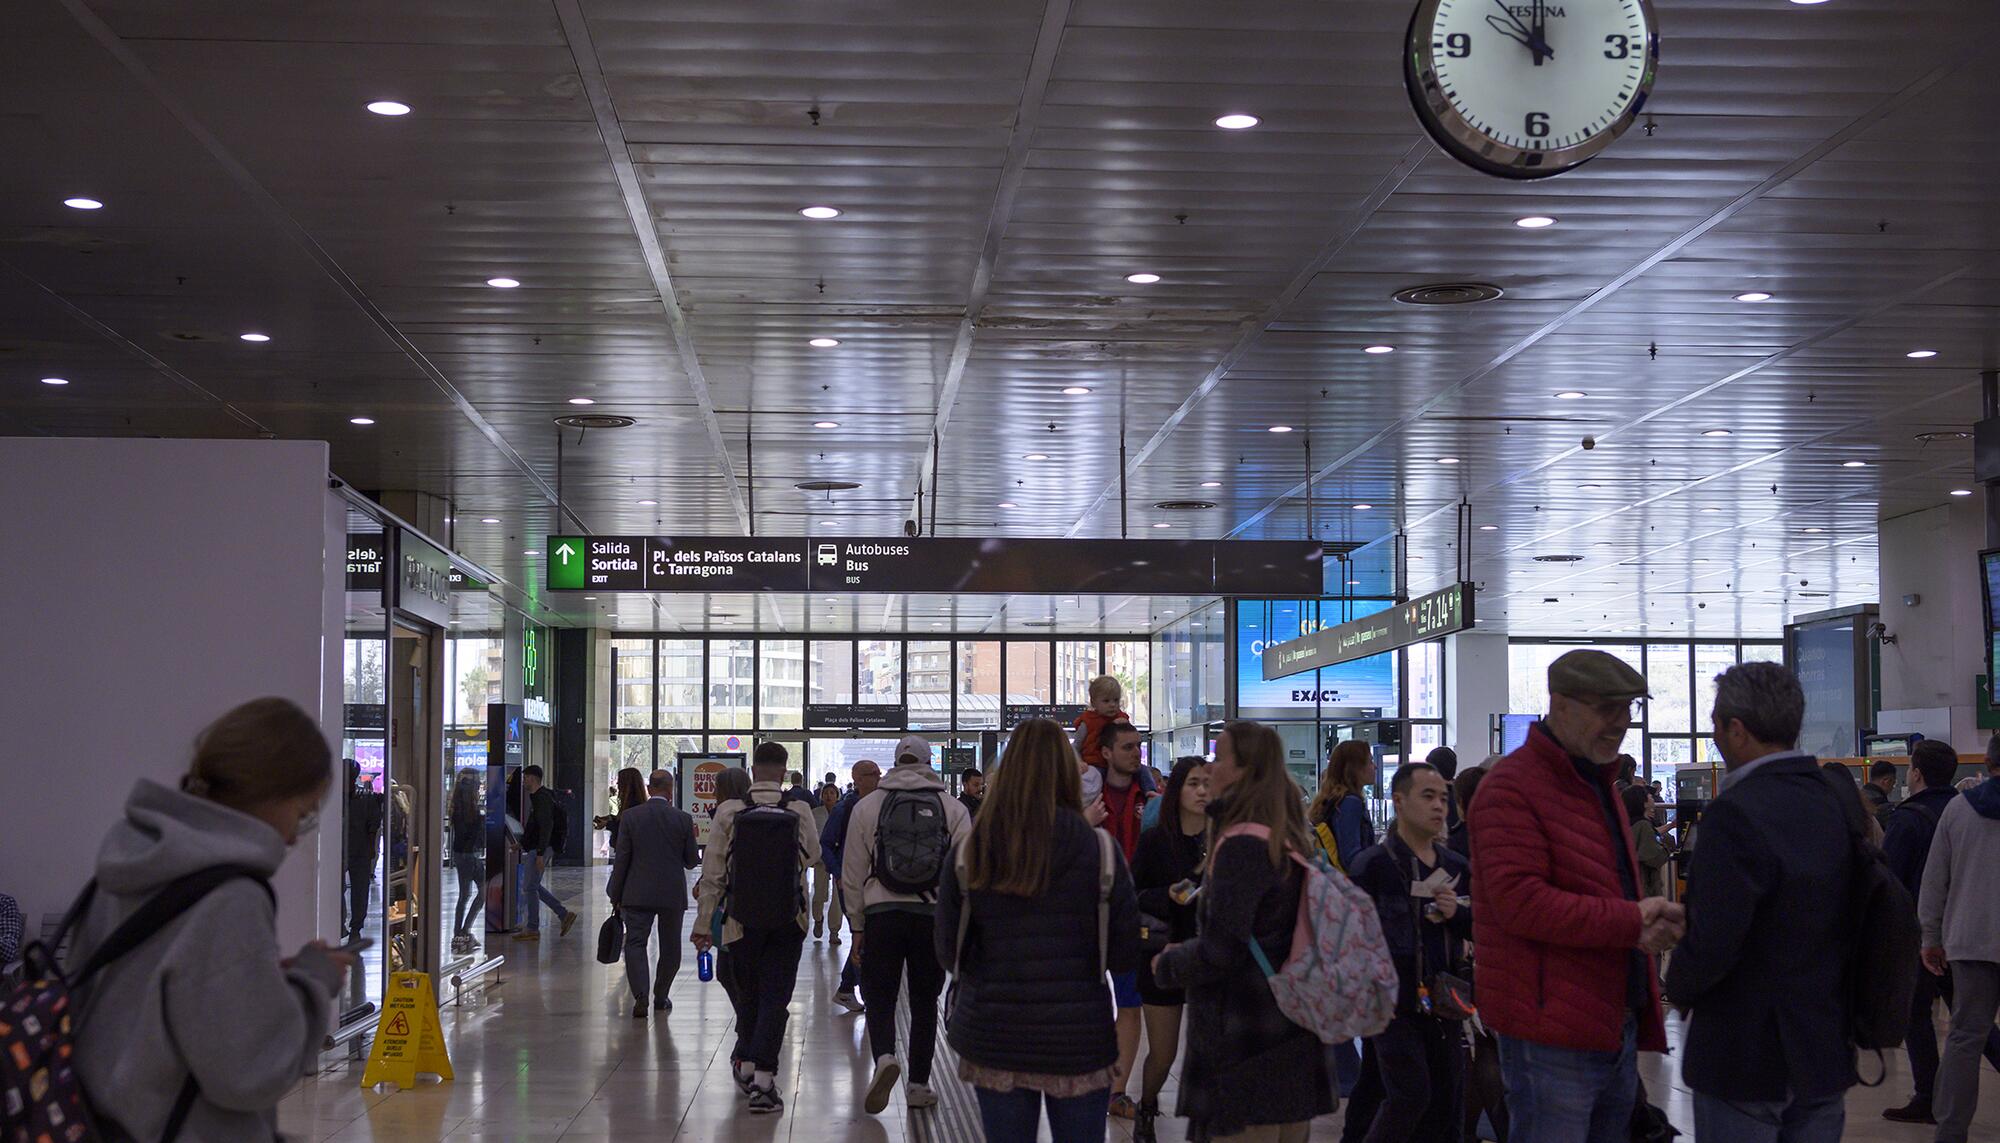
1529, 88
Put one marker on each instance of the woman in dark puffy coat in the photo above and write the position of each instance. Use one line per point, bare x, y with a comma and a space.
1248, 1065
1169, 854
1019, 926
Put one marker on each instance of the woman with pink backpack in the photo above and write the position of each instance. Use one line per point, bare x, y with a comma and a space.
1251, 1072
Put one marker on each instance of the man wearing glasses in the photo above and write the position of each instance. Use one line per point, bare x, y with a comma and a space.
1566, 974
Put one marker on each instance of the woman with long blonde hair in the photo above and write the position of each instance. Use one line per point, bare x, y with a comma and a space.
1340, 804
1248, 1066
1019, 925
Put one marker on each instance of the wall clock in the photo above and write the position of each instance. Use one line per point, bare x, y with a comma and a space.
1525, 89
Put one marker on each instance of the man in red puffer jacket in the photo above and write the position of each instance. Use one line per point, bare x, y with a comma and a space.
1566, 975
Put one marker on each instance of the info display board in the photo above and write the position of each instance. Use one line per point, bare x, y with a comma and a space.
1989, 579
992, 566
1359, 688
1426, 617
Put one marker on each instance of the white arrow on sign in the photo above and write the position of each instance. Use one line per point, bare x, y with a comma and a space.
565, 552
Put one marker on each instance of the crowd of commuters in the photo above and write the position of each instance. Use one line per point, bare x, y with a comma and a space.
1525, 907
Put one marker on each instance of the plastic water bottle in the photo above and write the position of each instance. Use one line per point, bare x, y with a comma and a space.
704, 965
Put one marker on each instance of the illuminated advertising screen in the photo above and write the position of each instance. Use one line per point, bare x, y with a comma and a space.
1989, 567
1344, 691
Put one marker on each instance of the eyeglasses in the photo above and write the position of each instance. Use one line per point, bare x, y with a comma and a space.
1633, 709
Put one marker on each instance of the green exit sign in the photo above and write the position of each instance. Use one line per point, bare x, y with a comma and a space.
568, 557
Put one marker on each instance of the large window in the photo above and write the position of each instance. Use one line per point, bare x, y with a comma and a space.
1029, 670
979, 685
929, 684
632, 683
680, 684
732, 683
832, 670
1674, 733
781, 684
879, 671
1131, 664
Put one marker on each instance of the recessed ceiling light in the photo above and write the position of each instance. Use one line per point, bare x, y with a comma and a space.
1447, 460
1363, 507
489, 519
1379, 350
1281, 428
589, 598
1571, 395
1163, 524
389, 107
1142, 279
826, 424
1036, 456
81, 203
1701, 561
255, 337
1921, 354
581, 401
826, 524
1354, 583
649, 503
1075, 391
1807, 3
1715, 432
1854, 464
1753, 296
532, 552
1814, 531
503, 283
55, 380
1007, 504
1588, 487
1489, 527
824, 342
360, 420
1961, 492
1236, 121
820, 212
1211, 484
1711, 509
1535, 222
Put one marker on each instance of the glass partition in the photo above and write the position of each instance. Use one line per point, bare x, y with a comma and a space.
781, 684
680, 684
929, 684
732, 682
364, 760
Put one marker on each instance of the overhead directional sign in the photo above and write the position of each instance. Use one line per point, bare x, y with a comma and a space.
902, 564
1427, 617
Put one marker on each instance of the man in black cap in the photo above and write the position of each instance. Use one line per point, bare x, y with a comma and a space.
1566, 975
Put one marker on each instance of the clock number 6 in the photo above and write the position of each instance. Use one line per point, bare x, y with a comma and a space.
1618, 47
1538, 125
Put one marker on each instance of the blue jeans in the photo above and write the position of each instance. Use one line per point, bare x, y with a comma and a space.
1566, 1095
534, 894
1018, 1115
1783, 1121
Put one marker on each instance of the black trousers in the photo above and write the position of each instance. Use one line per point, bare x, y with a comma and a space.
765, 965
894, 942
1922, 1040
1412, 1085
360, 879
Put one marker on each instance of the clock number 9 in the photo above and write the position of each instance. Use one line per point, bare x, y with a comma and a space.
1458, 45
1538, 125
1618, 47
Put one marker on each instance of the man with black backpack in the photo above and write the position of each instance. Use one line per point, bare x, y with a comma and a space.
898, 840
752, 898
1906, 841
1773, 914
544, 830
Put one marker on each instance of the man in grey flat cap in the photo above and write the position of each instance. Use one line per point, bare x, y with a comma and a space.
1566, 971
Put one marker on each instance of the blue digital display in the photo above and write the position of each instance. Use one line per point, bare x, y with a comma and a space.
1364, 683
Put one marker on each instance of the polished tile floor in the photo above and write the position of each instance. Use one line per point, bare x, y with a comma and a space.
550, 1051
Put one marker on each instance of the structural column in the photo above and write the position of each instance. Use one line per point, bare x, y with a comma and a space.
1932, 647
1475, 670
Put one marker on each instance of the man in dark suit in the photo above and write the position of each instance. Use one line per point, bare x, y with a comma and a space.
1761, 970
656, 848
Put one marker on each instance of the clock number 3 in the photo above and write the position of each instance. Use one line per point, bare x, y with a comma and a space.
1617, 47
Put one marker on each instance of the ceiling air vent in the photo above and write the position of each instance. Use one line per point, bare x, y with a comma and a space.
1185, 505
1943, 435
826, 486
595, 421
1038, 623
1448, 294
1558, 559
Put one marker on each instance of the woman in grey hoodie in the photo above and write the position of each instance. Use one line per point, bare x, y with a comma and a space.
208, 997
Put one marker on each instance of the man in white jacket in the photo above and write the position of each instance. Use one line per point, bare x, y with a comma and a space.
1960, 912
898, 841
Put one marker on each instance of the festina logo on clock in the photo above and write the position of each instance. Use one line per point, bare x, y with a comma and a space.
1528, 90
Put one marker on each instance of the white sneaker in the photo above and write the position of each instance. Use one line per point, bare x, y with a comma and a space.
920, 1095
846, 998
887, 1072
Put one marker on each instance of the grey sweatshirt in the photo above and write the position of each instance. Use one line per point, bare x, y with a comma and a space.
1959, 906
206, 995
858, 885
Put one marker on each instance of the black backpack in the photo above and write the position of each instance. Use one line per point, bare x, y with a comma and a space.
41, 1095
765, 859
912, 836
1881, 974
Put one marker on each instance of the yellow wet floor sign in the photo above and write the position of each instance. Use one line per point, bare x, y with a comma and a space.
408, 1039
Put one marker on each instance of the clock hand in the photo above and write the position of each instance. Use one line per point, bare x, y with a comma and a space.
1538, 34
1519, 36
